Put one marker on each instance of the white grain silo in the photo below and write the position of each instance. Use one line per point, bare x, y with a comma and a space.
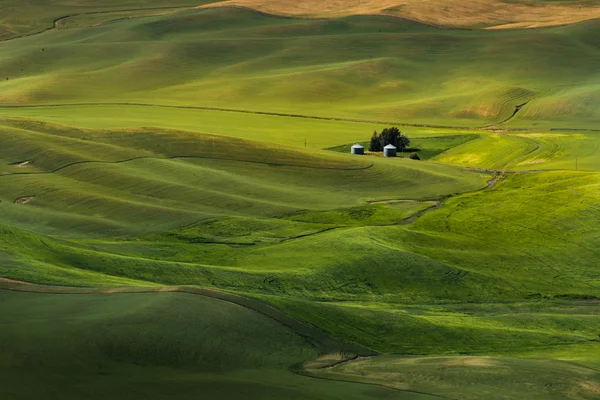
358, 149
389, 151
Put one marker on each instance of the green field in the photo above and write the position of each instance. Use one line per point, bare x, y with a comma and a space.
493, 377
356, 67
180, 215
156, 346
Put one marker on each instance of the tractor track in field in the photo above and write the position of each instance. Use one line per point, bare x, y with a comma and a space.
183, 158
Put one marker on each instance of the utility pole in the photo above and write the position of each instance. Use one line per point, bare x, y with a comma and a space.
304, 142
576, 165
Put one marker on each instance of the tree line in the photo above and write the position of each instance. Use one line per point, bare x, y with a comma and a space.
387, 136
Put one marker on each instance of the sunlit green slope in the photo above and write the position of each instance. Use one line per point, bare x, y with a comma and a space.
107, 183
358, 67
489, 377
486, 247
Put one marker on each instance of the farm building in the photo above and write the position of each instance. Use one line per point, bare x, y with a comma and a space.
358, 149
389, 151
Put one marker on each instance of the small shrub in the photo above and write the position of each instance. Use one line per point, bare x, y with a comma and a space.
414, 156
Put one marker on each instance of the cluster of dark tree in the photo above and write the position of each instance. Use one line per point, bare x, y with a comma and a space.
387, 136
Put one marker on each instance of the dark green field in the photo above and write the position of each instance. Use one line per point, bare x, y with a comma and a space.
180, 216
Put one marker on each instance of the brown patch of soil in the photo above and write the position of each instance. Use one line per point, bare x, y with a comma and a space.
24, 199
591, 387
14, 281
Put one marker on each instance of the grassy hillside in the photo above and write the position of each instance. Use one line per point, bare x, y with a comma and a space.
471, 250
30, 16
316, 133
535, 379
356, 67
154, 346
144, 180
161, 168
533, 237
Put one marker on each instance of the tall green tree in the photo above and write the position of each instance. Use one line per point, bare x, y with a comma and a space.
403, 142
375, 143
394, 137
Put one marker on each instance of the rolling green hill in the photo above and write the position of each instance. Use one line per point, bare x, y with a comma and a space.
27, 17
155, 346
356, 67
496, 378
144, 180
180, 215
